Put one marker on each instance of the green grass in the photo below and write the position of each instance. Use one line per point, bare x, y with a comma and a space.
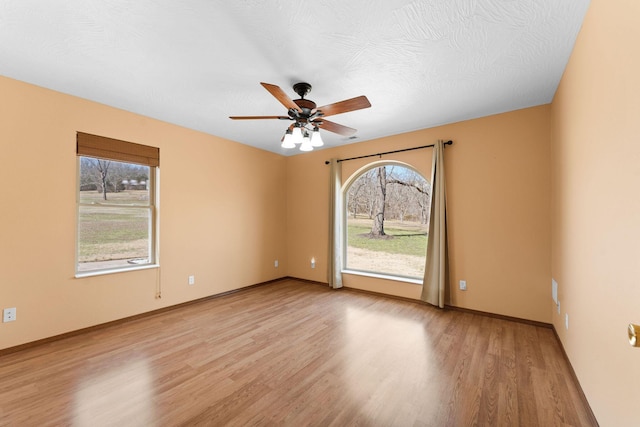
408, 238
110, 233
129, 197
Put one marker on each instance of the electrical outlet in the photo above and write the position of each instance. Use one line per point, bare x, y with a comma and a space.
566, 320
192, 280
463, 285
275, 263
9, 315
313, 263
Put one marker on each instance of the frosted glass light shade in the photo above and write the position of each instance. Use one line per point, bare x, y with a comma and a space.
316, 139
287, 141
306, 144
297, 135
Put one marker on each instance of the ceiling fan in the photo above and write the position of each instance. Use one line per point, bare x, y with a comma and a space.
307, 117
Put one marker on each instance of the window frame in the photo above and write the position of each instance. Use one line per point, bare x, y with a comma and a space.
152, 208
345, 216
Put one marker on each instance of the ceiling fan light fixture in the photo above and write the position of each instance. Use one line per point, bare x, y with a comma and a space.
296, 134
287, 141
306, 143
316, 139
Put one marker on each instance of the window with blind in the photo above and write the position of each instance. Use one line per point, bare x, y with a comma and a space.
116, 205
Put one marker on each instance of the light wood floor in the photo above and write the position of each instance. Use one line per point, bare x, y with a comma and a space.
293, 353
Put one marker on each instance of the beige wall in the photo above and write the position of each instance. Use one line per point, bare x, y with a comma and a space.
596, 208
222, 215
498, 191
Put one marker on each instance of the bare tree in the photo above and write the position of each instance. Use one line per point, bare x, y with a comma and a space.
105, 176
379, 202
413, 194
389, 192
102, 167
355, 192
359, 196
423, 201
401, 202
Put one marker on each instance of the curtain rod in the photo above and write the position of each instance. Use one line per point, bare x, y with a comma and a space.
387, 152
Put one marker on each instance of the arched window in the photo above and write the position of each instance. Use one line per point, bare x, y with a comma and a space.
387, 220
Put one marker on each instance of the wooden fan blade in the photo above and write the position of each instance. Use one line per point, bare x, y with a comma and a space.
335, 127
281, 96
259, 117
352, 104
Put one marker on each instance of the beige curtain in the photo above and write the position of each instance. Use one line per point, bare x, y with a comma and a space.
334, 271
435, 274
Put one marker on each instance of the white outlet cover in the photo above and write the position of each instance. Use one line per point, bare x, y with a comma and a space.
9, 315
192, 280
566, 320
463, 285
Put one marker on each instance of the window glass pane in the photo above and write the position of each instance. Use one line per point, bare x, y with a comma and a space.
111, 182
112, 237
387, 222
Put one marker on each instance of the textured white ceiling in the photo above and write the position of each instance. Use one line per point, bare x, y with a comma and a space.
195, 62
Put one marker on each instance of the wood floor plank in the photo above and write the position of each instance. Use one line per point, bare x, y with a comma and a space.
294, 353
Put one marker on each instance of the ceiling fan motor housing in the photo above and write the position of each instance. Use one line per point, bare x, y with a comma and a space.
306, 106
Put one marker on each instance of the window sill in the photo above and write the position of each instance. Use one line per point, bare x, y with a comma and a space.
383, 276
82, 274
